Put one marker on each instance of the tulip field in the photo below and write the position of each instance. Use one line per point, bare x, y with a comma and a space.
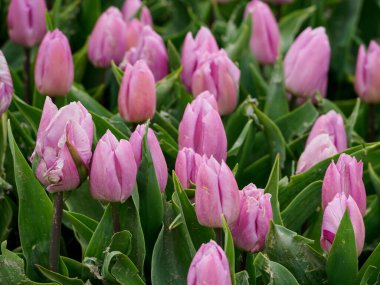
199, 142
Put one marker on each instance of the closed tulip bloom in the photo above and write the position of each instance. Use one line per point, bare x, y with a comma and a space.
134, 29
202, 129
137, 94
367, 78
54, 70
186, 166
26, 21
6, 85
131, 8
209, 266
64, 140
320, 148
307, 63
152, 50
192, 51
113, 170
332, 217
265, 36
250, 229
158, 158
345, 177
217, 74
108, 39
216, 193
333, 125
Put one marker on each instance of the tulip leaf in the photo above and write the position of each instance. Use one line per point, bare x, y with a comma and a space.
294, 252
234, 150
5, 217
372, 260
240, 43
90, 11
58, 278
272, 188
371, 219
172, 253
34, 207
370, 276
375, 179
165, 87
229, 249
242, 278
11, 266
351, 121
174, 56
302, 206
80, 60
102, 124
342, 262
273, 272
81, 225
32, 114
49, 22
260, 85
167, 143
117, 72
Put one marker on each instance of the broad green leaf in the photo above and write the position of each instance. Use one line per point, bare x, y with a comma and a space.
174, 56
34, 207
370, 276
371, 219
80, 58
240, 43
351, 121
234, 150
49, 22
167, 143
168, 124
375, 179
372, 260
5, 217
11, 266
32, 114
242, 278
272, 188
102, 124
121, 241
117, 72
75, 268
90, 11
229, 249
260, 85
342, 261
58, 278
165, 87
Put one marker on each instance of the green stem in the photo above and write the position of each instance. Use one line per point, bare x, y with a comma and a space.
372, 122
243, 260
56, 230
115, 218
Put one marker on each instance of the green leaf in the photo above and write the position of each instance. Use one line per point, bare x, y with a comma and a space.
165, 87
34, 207
229, 249
372, 260
293, 252
174, 56
5, 218
49, 22
58, 278
375, 179
260, 85
234, 150
272, 188
273, 272
80, 59
342, 262
242, 278
121, 241
117, 72
236, 47
102, 124
370, 276
90, 11
351, 121
11, 266
32, 114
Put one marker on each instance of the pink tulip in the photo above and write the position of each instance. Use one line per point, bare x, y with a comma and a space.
26, 21
217, 74
54, 69
108, 39
64, 137
137, 94
367, 77
186, 166
134, 29
265, 36
131, 8
113, 170
209, 266
216, 193
345, 177
192, 51
320, 148
307, 63
202, 129
333, 125
6, 85
158, 158
249, 231
331, 220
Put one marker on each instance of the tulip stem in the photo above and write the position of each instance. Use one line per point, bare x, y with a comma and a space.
372, 122
27, 76
115, 218
56, 230
243, 260
219, 236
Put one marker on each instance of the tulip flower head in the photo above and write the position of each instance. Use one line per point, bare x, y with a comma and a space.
132, 7
6, 85
186, 166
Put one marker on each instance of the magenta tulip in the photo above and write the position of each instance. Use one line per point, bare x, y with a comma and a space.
6, 85
108, 39
331, 220
64, 141
216, 193
345, 177
133, 31
54, 69
209, 266
137, 94
158, 158
265, 36
186, 166
132, 7
202, 128
26, 21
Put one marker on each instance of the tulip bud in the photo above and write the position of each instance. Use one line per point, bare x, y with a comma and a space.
54, 70
131, 8
331, 124
367, 78
209, 266
250, 229
137, 94
158, 158
202, 128
151, 48
108, 39
331, 220
216, 193
307, 62
320, 148
186, 166
134, 29
192, 50
63, 146
265, 36
26, 21
217, 74
345, 177
6, 85
113, 170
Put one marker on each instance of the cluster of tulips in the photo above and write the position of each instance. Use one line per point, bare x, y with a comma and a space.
64, 154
